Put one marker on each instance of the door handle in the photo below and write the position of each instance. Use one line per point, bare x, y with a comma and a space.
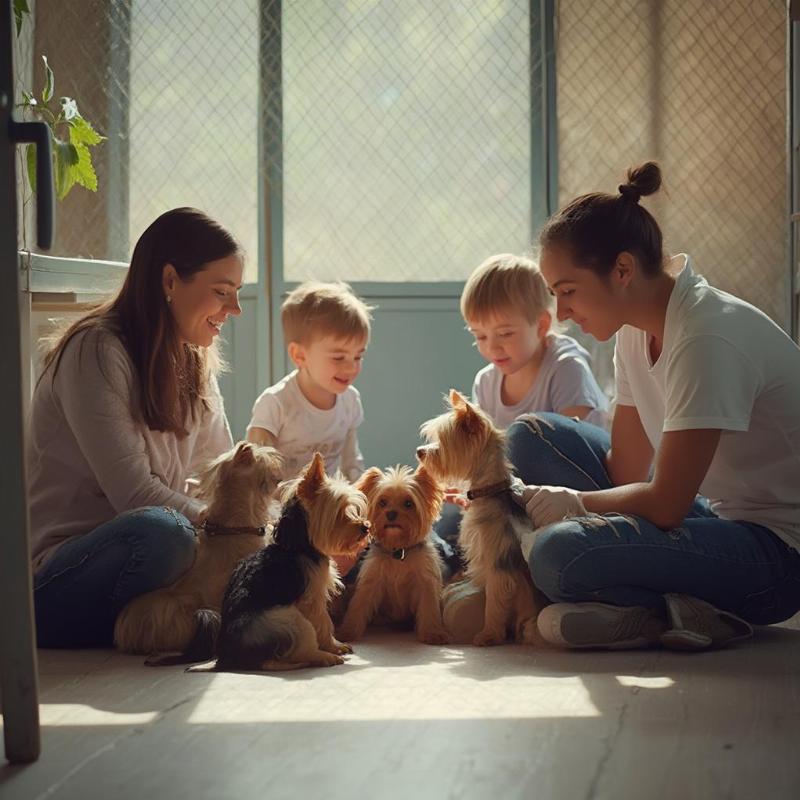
39, 134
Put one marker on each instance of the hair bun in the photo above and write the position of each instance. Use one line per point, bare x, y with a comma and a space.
642, 180
629, 192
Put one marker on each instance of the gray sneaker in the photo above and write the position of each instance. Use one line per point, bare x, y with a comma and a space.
697, 625
598, 625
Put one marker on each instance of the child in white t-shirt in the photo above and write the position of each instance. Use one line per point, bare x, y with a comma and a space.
316, 407
507, 307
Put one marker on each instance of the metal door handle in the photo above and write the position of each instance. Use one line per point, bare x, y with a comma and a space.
39, 134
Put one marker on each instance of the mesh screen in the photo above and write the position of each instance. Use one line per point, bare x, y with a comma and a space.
701, 87
406, 137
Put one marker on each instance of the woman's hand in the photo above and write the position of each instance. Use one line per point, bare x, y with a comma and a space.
456, 497
547, 504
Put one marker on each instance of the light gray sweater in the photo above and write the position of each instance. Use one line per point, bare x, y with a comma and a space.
90, 457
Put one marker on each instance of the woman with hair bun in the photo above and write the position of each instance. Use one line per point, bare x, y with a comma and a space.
683, 529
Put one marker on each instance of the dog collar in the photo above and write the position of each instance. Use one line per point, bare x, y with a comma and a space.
398, 553
491, 490
212, 529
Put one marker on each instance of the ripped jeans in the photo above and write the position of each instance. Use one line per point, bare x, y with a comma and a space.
627, 561
88, 580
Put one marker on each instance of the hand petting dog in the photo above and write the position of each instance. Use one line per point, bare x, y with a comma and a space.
545, 505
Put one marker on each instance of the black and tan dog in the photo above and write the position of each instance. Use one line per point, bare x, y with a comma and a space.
466, 449
400, 578
238, 488
275, 611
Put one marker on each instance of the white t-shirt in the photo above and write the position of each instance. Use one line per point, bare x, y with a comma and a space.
301, 428
565, 379
89, 458
724, 365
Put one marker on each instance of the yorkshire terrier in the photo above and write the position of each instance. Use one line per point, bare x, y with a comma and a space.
401, 575
465, 448
182, 618
275, 611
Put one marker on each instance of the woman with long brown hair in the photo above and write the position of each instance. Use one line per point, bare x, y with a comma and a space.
126, 409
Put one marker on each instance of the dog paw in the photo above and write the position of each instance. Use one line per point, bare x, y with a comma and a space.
342, 647
349, 633
434, 637
329, 660
339, 648
528, 633
488, 639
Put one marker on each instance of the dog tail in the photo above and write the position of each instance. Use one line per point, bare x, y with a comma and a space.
202, 646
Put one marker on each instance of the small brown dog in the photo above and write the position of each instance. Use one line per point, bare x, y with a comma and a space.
465, 448
275, 611
238, 487
401, 575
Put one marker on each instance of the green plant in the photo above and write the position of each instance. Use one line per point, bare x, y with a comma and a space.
72, 134
20, 10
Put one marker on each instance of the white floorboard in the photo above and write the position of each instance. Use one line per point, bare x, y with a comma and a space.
404, 720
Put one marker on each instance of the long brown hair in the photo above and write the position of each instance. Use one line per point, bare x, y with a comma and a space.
597, 227
172, 376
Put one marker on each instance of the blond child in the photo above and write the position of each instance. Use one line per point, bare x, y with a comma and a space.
508, 309
316, 407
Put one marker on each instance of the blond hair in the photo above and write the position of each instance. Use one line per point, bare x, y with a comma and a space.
505, 282
316, 309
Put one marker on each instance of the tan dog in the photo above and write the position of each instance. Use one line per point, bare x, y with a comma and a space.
465, 448
275, 611
238, 488
401, 575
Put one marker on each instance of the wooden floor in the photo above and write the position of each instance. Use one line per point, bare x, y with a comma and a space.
405, 720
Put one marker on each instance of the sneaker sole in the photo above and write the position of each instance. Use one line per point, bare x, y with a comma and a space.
551, 625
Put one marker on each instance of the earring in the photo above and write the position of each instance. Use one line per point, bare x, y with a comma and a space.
168, 298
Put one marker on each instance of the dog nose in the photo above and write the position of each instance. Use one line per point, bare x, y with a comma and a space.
420, 453
364, 529
391, 515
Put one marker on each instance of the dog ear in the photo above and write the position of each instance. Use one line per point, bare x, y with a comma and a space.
313, 479
469, 419
457, 400
244, 454
428, 485
275, 462
369, 480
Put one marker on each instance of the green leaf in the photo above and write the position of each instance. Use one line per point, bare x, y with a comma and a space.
28, 99
83, 171
49, 82
30, 157
84, 136
65, 156
20, 8
82, 132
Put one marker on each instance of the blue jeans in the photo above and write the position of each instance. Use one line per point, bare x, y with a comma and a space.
626, 560
81, 588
